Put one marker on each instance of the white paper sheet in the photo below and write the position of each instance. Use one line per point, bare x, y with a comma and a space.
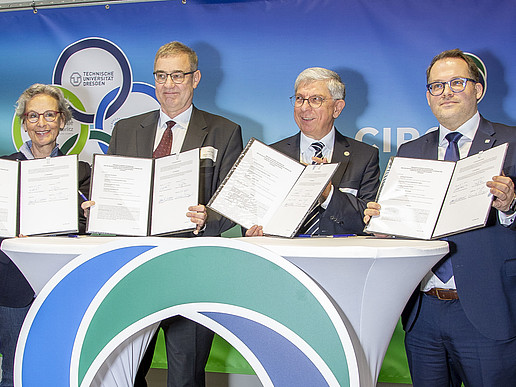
468, 201
48, 195
411, 196
176, 187
120, 188
8, 197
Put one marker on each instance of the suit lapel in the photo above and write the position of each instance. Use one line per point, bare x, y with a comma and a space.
291, 146
342, 154
429, 148
484, 138
145, 136
196, 131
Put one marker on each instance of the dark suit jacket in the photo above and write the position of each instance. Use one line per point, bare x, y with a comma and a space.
358, 170
15, 291
484, 260
134, 136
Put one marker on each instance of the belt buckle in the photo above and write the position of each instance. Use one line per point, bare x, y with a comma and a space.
438, 294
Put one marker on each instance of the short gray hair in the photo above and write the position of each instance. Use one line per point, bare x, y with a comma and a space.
63, 105
335, 85
177, 48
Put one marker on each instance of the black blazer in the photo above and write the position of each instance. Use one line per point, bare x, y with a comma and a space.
134, 136
484, 260
15, 291
359, 170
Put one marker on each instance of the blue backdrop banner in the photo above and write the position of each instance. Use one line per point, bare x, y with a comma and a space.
250, 54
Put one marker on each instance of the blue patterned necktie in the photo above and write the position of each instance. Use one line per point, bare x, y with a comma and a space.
443, 269
318, 147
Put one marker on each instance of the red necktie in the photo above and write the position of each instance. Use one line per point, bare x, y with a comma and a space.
165, 145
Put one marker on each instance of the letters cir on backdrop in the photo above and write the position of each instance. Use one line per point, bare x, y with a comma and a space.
247, 294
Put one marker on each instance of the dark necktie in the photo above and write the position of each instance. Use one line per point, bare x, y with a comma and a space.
311, 224
443, 269
318, 147
165, 145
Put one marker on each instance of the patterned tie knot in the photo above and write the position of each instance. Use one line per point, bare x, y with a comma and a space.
317, 146
453, 137
170, 124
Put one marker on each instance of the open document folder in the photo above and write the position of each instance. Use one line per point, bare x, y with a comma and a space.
39, 196
142, 196
267, 188
429, 199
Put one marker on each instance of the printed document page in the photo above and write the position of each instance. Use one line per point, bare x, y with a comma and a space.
8, 197
48, 195
120, 188
256, 186
411, 194
468, 201
176, 187
300, 199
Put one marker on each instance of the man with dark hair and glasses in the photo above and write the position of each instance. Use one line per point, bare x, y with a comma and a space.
176, 127
460, 322
318, 100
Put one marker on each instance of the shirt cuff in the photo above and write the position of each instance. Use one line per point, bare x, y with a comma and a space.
325, 204
506, 220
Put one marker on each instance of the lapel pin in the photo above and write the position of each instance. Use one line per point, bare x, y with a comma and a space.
487, 141
346, 153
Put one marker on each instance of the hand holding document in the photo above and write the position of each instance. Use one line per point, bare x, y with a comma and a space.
139, 197
47, 202
429, 199
267, 188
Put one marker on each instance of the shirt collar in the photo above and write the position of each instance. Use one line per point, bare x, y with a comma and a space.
25, 149
327, 140
181, 119
467, 129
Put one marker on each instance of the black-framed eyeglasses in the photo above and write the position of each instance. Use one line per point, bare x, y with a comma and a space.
177, 77
49, 116
314, 101
457, 85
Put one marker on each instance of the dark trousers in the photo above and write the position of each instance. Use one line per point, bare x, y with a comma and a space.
11, 320
444, 349
188, 346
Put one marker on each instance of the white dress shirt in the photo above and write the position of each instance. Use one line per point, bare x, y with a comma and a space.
306, 152
178, 130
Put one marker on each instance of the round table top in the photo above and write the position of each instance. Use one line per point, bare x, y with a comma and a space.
334, 247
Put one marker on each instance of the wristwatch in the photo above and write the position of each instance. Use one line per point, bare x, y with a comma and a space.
512, 208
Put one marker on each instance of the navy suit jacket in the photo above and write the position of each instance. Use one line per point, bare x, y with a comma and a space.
134, 136
359, 170
484, 260
15, 291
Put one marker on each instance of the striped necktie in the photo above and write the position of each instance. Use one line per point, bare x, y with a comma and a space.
318, 147
311, 224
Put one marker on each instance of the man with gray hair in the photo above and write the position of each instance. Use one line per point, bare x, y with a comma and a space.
318, 101
179, 126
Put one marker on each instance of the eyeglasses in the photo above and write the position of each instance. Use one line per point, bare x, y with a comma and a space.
314, 101
456, 85
49, 116
177, 77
